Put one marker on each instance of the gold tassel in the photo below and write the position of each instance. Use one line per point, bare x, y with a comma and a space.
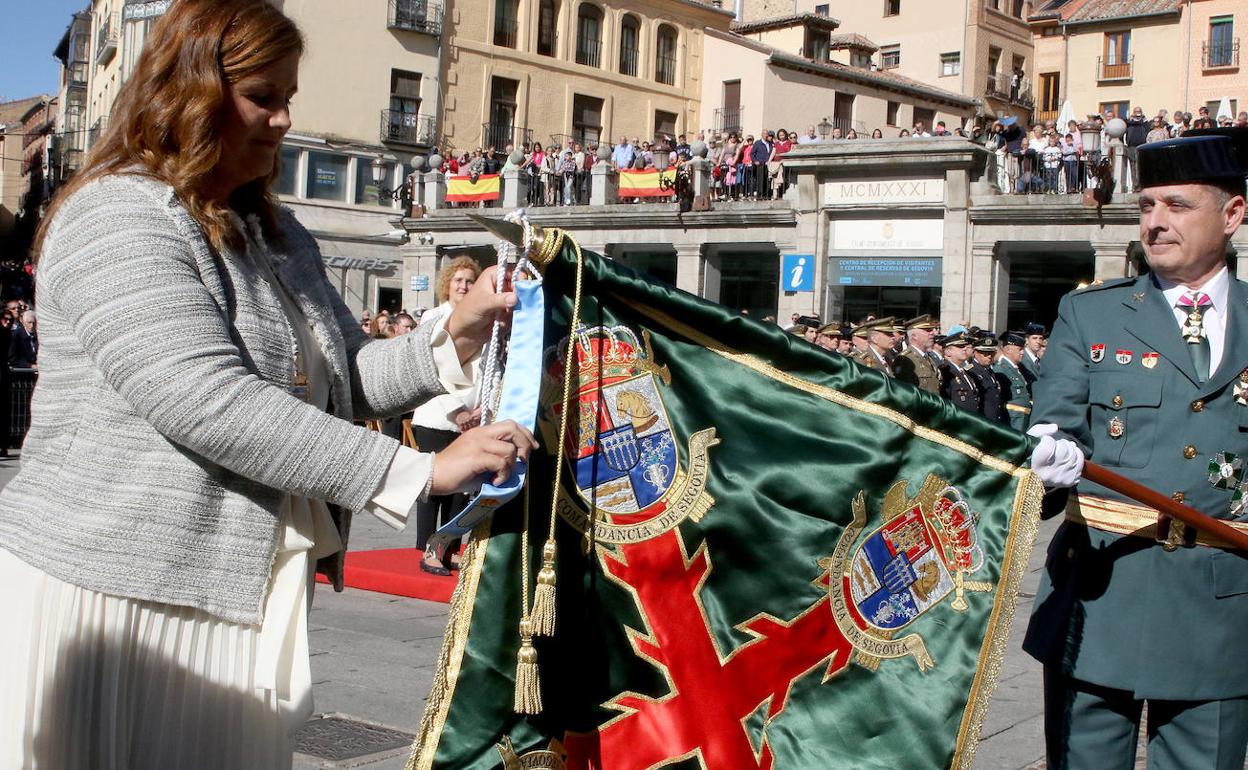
528, 687
544, 595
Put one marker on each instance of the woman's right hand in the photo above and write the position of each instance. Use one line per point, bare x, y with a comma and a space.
490, 449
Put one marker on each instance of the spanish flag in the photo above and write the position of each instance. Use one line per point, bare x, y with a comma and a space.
645, 184
461, 189
755, 555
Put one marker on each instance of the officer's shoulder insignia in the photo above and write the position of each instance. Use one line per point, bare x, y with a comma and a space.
1100, 285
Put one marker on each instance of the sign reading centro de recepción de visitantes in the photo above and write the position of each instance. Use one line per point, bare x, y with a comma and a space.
884, 271
891, 191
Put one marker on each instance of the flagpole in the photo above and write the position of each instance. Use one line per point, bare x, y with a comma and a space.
1176, 510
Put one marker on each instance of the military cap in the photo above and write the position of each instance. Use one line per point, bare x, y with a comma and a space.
798, 330
956, 340
832, 330
1209, 158
847, 331
810, 321
924, 321
986, 343
939, 339
886, 324
1035, 328
1013, 338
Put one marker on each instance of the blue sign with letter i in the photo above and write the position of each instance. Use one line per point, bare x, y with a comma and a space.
798, 272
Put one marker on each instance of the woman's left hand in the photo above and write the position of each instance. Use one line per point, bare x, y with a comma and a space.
472, 320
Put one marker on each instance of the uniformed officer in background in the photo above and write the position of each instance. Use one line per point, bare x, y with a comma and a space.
1034, 335
828, 337
882, 336
917, 363
993, 388
956, 384
1019, 380
1148, 376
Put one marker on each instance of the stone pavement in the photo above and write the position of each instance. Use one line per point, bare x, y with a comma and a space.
373, 659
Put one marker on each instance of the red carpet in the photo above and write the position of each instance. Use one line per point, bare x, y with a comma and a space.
395, 571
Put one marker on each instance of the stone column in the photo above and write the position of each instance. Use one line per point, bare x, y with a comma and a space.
435, 191
419, 260
711, 269
604, 185
689, 268
989, 288
515, 188
1111, 261
1241, 259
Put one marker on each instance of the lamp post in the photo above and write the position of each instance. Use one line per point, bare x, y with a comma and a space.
379, 177
825, 129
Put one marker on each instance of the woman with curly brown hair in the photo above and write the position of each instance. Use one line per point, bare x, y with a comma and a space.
439, 421
157, 545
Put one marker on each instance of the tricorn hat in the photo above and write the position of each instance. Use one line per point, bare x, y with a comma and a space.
1204, 158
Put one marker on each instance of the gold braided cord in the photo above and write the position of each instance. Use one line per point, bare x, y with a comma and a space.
552, 244
544, 596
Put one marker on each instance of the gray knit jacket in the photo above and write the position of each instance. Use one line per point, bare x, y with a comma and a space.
162, 434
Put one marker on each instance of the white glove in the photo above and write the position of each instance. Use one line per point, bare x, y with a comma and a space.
1057, 462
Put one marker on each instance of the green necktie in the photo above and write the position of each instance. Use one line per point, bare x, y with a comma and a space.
1195, 304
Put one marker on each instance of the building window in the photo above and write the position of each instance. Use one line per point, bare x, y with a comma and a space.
1052, 30
860, 60
586, 119
890, 57
817, 44
821, 9
925, 119
950, 63
665, 56
1221, 46
589, 35
327, 177
505, 22
1216, 105
729, 116
630, 45
890, 113
1117, 58
547, 14
1016, 9
288, 177
664, 125
1119, 109
1050, 91
994, 4
367, 191
892, 7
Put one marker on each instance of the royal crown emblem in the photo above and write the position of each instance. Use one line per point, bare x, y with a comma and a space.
917, 558
622, 449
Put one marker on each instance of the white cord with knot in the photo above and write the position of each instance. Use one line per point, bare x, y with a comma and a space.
510, 265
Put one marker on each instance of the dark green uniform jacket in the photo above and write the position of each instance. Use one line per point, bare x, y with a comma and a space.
1119, 610
917, 369
1019, 403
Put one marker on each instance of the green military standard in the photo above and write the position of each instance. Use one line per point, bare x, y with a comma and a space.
1020, 380
1149, 376
918, 365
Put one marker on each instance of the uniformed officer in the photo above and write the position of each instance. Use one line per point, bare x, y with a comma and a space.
918, 364
1018, 379
956, 384
1148, 376
828, 337
993, 388
1034, 335
858, 337
882, 335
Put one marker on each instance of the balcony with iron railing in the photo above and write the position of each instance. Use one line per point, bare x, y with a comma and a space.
589, 52
665, 69
1047, 116
416, 16
727, 119
406, 128
1220, 55
505, 31
1115, 68
106, 39
97, 130
630, 59
998, 86
499, 135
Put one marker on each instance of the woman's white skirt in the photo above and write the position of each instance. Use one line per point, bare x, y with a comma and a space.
90, 681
